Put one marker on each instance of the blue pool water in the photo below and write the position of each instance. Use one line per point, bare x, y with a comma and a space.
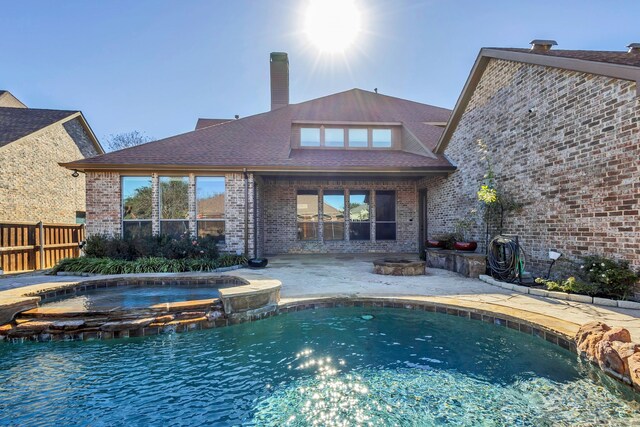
322, 367
131, 296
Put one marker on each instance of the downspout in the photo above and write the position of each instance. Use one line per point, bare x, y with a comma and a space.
246, 212
255, 220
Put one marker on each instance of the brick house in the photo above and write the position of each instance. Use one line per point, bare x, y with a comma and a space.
33, 186
334, 174
562, 129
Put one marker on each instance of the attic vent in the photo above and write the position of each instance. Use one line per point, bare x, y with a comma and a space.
542, 45
634, 48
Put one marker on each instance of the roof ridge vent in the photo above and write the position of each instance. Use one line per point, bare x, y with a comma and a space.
634, 48
542, 45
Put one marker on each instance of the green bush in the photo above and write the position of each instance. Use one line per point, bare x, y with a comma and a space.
597, 276
183, 247
145, 265
613, 278
571, 285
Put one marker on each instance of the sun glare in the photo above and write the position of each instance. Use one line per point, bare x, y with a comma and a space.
332, 25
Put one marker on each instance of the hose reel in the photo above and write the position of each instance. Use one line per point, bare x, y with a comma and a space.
506, 259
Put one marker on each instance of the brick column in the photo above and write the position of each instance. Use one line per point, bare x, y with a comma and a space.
372, 214
193, 229
155, 204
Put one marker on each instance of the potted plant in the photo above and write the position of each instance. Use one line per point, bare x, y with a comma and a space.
442, 241
463, 226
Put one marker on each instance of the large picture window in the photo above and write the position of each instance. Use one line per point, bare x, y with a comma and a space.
136, 206
360, 221
210, 206
385, 215
307, 212
333, 215
174, 205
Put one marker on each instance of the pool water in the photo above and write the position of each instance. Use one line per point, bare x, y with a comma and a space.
130, 296
322, 367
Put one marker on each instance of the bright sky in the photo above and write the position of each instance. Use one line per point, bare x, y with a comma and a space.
156, 66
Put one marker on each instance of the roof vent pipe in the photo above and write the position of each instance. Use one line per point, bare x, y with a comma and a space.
634, 48
279, 80
542, 45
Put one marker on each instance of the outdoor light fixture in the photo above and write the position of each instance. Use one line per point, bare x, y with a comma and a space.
553, 256
75, 173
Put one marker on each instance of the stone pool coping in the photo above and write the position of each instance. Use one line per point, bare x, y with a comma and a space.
586, 299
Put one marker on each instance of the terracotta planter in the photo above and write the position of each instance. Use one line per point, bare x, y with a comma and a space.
437, 244
465, 246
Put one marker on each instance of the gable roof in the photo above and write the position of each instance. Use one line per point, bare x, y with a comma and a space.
16, 123
7, 99
263, 141
620, 65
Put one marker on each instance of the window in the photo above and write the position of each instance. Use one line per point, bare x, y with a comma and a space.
333, 215
174, 205
333, 137
81, 217
136, 206
210, 206
310, 137
381, 138
385, 215
358, 138
307, 211
360, 226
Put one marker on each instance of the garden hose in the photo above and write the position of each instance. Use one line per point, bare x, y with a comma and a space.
505, 258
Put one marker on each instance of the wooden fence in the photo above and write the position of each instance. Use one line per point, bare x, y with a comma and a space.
29, 246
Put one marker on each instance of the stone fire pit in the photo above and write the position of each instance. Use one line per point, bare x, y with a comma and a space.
398, 267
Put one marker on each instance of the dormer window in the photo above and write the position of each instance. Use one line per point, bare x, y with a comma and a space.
358, 136
381, 138
334, 137
310, 137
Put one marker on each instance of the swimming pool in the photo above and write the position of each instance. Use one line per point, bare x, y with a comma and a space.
323, 367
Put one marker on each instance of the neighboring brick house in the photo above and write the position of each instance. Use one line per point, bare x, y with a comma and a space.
334, 174
562, 130
33, 186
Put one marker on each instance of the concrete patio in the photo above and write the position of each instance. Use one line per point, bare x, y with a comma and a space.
314, 277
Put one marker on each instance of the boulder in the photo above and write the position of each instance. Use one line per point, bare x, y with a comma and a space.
588, 337
617, 334
609, 360
634, 370
66, 325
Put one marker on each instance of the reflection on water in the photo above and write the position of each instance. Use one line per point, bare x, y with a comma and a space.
324, 367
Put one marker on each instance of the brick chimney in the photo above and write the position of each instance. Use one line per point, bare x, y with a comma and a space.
279, 80
542, 45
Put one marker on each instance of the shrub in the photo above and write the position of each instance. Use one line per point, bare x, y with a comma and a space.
570, 285
145, 265
612, 278
182, 247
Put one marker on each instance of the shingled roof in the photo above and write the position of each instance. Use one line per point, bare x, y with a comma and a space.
606, 56
263, 141
16, 123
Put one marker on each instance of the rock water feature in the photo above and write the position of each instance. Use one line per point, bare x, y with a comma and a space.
612, 350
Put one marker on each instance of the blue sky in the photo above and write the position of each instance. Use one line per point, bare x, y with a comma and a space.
156, 66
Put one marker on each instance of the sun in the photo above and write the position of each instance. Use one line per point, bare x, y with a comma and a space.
332, 25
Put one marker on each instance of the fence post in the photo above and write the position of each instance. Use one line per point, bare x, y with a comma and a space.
41, 241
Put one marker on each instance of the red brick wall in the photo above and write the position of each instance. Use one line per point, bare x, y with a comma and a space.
572, 161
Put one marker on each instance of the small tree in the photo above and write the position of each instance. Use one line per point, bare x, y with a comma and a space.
125, 140
497, 202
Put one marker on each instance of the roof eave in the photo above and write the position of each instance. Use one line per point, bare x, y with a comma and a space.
619, 71
84, 167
